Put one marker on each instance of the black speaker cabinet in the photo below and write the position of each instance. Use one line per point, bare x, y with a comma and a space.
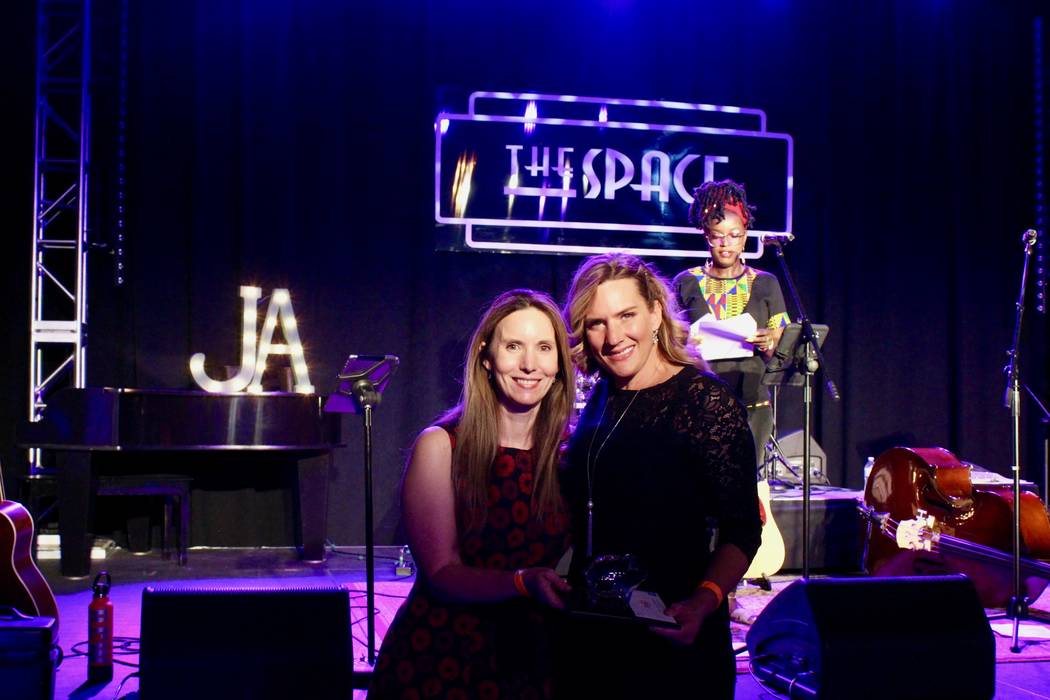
28, 656
907, 637
245, 642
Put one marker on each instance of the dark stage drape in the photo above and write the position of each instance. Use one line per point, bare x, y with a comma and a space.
290, 144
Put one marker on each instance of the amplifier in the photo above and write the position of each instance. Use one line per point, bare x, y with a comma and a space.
28, 655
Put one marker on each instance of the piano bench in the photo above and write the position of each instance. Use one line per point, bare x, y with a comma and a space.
173, 488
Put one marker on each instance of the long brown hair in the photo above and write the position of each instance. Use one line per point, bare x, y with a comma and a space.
477, 415
673, 333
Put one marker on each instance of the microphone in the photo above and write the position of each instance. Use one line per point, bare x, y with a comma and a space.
1029, 237
777, 238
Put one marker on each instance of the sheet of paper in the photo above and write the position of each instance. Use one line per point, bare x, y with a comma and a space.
725, 339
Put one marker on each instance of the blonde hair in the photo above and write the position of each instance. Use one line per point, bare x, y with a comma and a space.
673, 333
477, 415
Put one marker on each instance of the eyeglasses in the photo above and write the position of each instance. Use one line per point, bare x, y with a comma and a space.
721, 238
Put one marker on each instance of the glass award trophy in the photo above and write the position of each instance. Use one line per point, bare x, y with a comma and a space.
611, 591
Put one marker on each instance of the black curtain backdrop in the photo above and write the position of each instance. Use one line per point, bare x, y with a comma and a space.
290, 144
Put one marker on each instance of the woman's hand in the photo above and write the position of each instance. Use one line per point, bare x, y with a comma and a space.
429, 507
765, 340
545, 586
690, 614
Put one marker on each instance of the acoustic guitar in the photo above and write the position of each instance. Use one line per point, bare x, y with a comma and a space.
22, 586
770, 555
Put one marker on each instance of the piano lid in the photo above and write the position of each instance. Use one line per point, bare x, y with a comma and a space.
103, 418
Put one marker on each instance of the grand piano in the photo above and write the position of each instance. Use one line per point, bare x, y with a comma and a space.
82, 425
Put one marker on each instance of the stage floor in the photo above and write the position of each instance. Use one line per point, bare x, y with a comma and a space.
1026, 675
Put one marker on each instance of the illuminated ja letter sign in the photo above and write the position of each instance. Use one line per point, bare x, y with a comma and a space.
253, 358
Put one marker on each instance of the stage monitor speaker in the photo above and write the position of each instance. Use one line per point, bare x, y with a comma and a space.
245, 642
907, 637
791, 446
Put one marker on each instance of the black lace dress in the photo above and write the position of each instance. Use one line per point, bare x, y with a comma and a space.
438, 649
677, 466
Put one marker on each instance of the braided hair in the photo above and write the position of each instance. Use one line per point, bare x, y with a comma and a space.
710, 200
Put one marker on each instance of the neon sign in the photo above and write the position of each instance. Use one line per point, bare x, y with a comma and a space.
569, 174
254, 355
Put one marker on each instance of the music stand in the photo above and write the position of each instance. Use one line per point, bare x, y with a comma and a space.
361, 385
794, 363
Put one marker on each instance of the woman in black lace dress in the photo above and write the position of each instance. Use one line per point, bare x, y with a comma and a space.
485, 519
661, 466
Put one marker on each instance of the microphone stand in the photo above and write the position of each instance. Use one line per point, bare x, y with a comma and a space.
773, 457
1018, 606
814, 359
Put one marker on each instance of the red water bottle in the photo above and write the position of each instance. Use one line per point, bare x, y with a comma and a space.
100, 631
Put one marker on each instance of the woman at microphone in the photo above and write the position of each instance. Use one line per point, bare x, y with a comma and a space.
725, 287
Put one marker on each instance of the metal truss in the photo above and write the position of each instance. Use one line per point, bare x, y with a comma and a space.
58, 301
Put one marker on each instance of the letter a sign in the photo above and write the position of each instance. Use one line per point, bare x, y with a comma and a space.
254, 356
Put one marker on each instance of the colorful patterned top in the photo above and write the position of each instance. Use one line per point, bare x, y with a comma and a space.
727, 298
754, 292
435, 648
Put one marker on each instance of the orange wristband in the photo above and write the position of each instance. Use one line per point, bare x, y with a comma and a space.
519, 583
714, 588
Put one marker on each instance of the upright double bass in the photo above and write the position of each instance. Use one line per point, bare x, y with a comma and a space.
926, 517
